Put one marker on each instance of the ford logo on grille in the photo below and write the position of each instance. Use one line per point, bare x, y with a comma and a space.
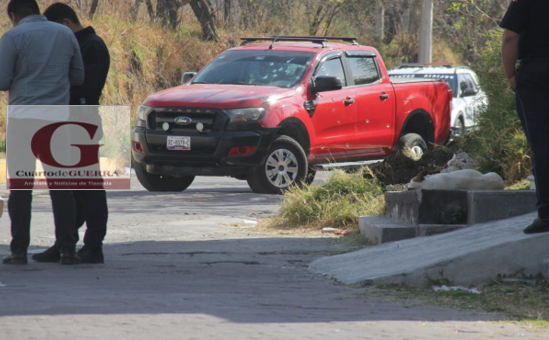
182, 120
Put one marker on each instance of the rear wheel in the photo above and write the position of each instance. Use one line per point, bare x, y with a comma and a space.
154, 182
285, 165
460, 128
412, 145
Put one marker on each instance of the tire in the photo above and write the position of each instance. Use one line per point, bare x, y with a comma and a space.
310, 176
285, 165
413, 142
460, 128
154, 182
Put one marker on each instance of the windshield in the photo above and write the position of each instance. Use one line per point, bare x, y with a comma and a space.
267, 68
451, 79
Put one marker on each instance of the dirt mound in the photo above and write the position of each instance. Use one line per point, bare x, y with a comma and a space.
399, 169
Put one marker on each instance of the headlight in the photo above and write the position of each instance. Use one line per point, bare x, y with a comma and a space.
142, 112
245, 115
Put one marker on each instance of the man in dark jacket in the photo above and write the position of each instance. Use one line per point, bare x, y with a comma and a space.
91, 204
526, 37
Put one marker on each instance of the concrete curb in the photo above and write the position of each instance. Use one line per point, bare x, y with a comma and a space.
382, 229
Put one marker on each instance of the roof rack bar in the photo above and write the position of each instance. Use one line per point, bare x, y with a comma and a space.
316, 40
440, 64
346, 39
420, 65
402, 65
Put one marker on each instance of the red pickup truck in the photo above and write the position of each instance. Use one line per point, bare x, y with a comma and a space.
273, 109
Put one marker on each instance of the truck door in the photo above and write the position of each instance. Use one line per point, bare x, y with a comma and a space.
376, 103
470, 94
334, 120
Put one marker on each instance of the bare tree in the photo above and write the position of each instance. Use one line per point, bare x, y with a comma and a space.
93, 8
167, 12
134, 9
322, 13
203, 10
227, 12
78, 4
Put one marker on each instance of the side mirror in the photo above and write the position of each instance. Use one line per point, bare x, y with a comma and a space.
468, 92
326, 83
187, 76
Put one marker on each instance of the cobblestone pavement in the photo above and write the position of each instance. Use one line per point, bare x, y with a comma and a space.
188, 266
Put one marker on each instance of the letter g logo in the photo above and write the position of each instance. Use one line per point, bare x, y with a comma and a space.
41, 146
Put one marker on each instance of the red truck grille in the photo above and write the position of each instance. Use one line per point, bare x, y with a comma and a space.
180, 120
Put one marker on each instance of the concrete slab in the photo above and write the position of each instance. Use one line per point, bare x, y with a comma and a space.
484, 206
466, 257
382, 229
435, 229
427, 206
457, 206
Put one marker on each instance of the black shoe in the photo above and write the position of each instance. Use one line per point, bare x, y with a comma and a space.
51, 254
12, 258
540, 225
88, 255
69, 258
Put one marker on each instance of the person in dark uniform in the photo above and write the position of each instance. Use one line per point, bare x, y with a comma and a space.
91, 205
526, 37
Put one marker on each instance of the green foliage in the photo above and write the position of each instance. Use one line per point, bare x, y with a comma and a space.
499, 143
336, 203
522, 185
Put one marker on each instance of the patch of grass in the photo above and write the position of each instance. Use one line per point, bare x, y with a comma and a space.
521, 185
520, 301
336, 203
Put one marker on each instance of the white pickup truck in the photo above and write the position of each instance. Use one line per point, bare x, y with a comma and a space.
468, 98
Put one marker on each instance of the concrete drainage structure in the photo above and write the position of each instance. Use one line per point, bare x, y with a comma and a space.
428, 212
486, 240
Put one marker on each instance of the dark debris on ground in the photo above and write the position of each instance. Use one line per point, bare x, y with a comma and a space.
399, 169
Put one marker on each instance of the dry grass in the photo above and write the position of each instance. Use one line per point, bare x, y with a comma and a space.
523, 300
337, 203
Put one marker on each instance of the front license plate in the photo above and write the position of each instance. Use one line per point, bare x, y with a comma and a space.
178, 143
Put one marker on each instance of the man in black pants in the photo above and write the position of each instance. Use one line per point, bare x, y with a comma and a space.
91, 204
39, 61
526, 37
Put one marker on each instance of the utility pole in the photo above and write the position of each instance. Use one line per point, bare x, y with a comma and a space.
426, 32
380, 20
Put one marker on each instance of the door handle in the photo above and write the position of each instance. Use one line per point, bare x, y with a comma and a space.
348, 101
384, 96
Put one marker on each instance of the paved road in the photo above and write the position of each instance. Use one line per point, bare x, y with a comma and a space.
189, 266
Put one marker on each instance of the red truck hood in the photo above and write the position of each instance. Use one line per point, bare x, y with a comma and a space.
217, 96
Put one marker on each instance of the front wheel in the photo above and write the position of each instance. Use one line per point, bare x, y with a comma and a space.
285, 165
154, 182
